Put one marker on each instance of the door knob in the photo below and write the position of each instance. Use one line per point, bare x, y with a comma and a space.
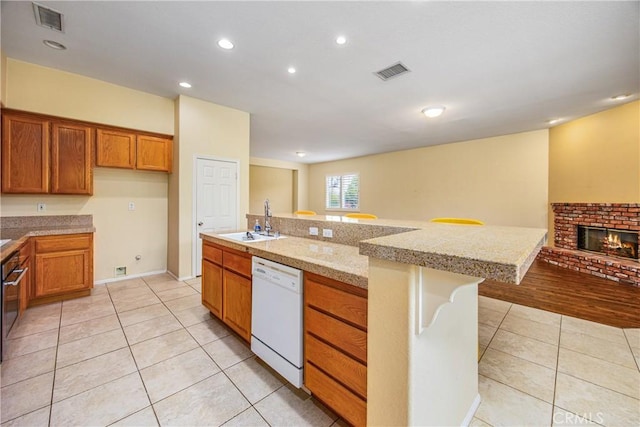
200, 224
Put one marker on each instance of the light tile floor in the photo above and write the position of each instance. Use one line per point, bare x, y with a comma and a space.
144, 352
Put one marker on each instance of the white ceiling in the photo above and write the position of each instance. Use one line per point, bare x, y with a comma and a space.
498, 67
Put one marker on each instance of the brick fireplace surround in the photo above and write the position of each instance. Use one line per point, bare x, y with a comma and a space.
567, 217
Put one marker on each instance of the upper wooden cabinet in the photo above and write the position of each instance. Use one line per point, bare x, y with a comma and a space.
71, 155
43, 155
25, 153
116, 149
153, 153
131, 150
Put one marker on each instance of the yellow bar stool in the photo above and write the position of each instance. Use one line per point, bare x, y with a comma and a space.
466, 221
361, 216
304, 213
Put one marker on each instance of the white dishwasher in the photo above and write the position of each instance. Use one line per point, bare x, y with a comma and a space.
276, 318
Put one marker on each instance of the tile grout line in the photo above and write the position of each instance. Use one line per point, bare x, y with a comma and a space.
133, 356
555, 379
55, 366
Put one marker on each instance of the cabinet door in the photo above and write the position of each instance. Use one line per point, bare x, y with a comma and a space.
25, 154
236, 303
71, 153
154, 154
116, 149
212, 287
60, 272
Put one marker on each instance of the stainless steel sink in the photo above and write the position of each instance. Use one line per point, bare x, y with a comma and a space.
249, 237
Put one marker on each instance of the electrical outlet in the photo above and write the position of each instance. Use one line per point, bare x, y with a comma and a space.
132, 206
42, 207
120, 271
313, 231
327, 232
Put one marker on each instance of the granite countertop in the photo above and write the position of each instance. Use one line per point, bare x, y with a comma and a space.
500, 253
19, 229
495, 252
333, 260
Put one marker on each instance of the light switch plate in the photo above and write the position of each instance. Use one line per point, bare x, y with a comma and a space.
42, 207
313, 231
132, 206
327, 232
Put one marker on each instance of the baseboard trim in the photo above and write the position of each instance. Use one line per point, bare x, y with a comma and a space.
182, 279
130, 276
472, 411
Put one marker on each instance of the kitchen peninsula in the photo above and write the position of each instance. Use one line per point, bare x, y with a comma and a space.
421, 281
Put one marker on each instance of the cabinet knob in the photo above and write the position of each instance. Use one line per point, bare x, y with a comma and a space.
200, 224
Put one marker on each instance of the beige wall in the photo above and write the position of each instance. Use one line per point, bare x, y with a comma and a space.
596, 158
120, 234
3, 77
501, 180
300, 180
49, 91
210, 130
274, 184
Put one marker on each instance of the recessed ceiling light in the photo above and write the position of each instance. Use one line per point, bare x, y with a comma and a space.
291, 70
300, 153
553, 121
620, 97
54, 45
225, 44
341, 40
185, 85
435, 111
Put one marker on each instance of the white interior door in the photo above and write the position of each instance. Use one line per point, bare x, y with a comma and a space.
216, 200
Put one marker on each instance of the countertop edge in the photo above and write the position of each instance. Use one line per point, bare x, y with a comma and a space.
24, 235
317, 268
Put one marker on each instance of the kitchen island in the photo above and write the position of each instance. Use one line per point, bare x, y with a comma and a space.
422, 283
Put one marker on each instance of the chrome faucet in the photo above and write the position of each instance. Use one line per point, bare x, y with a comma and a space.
267, 217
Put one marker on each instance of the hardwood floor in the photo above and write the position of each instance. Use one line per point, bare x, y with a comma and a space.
567, 292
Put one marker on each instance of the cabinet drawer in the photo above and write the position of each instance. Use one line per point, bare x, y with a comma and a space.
239, 263
63, 243
341, 304
211, 253
348, 405
343, 368
349, 339
25, 251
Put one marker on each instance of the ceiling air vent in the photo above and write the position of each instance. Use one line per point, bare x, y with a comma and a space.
392, 71
48, 18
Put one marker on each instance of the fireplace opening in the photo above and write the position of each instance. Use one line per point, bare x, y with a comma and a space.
620, 243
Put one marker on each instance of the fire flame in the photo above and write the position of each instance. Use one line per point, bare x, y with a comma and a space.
613, 240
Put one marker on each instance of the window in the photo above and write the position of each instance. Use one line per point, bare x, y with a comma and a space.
343, 192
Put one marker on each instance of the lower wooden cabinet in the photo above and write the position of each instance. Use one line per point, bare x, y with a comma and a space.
335, 346
212, 287
236, 303
63, 266
226, 286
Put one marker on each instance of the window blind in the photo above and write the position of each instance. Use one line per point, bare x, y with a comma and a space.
343, 191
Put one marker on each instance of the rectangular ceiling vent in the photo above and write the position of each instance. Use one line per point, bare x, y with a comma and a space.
48, 18
392, 71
